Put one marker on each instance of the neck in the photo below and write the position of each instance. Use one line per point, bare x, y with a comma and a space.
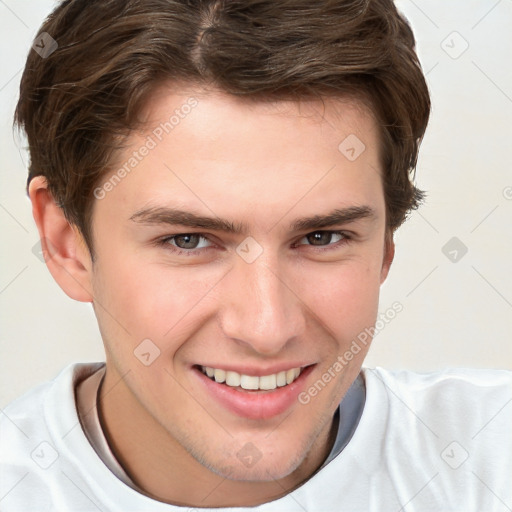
162, 469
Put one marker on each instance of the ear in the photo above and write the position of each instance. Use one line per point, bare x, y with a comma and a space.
64, 250
389, 254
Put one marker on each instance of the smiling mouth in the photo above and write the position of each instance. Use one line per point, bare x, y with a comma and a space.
252, 382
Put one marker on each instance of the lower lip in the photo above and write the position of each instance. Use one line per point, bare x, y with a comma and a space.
256, 405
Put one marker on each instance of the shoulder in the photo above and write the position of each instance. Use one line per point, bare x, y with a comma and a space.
455, 424
468, 375
30, 430
456, 388
25, 416
440, 440
23, 419
461, 401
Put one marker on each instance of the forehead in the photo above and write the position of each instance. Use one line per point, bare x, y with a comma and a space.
215, 153
220, 114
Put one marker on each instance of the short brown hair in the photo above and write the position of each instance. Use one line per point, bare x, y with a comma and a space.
78, 102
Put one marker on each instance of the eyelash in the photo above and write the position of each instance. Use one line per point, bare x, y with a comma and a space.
165, 242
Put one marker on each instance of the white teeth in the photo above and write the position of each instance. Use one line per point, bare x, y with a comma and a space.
220, 375
233, 379
268, 382
252, 382
249, 382
281, 379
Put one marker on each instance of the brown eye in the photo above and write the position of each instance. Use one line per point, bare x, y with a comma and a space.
186, 241
320, 238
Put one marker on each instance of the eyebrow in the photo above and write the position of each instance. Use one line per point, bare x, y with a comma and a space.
172, 216
338, 216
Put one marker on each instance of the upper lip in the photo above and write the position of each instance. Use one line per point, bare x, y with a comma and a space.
257, 371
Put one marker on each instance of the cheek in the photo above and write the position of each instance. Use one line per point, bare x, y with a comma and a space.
343, 296
141, 299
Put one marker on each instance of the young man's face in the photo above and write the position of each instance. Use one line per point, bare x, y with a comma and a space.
276, 264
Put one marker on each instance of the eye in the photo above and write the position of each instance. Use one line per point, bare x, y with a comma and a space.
186, 241
322, 238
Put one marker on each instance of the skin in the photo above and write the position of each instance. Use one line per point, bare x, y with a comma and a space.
264, 165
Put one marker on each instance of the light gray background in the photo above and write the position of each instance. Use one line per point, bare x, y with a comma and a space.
454, 313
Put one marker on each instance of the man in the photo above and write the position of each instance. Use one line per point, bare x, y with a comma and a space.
222, 181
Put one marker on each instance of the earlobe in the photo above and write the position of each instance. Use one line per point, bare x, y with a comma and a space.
389, 254
64, 251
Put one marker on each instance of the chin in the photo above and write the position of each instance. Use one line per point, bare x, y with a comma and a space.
249, 464
260, 472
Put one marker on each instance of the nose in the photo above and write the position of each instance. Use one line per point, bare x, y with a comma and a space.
260, 308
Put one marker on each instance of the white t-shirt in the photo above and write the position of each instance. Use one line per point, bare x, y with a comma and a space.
432, 442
